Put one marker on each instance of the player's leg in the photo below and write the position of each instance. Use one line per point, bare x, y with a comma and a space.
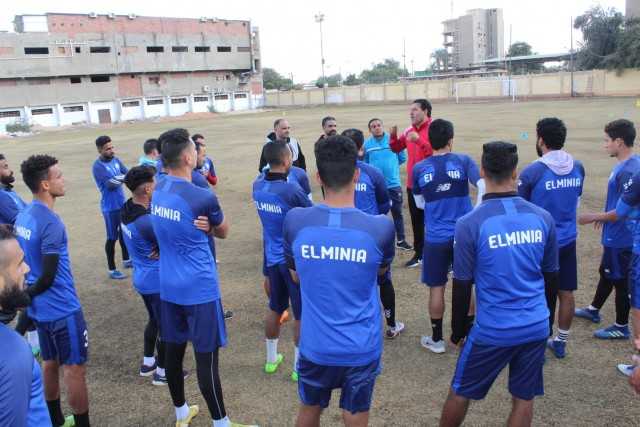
207, 365
77, 394
314, 390
50, 373
603, 290
309, 416
357, 393
149, 363
278, 303
619, 273
126, 261
417, 225
525, 380
296, 308
435, 273
388, 299
521, 413
454, 410
568, 283
395, 194
112, 224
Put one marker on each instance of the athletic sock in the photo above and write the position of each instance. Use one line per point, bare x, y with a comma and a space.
160, 371
81, 420
55, 412
225, 422
182, 412
626, 325
436, 327
272, 350
563, 335
148, 361
295, 359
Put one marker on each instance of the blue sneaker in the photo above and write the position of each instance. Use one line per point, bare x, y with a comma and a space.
127, 263
147, 371
625, 369
558, 348
613, 332
117, 275
585, 313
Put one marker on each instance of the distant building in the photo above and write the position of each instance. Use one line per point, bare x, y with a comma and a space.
633, 9
60, 69
474, 37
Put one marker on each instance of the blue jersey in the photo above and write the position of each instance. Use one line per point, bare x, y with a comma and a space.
188, 272
207, 168
10, 205
197, 178
274, 197
337, 254
504, 246
41, 232
299, 176
22, 401
557, 194
371, 195
443, 182
137, 232
628, 208
615, 234
105, 173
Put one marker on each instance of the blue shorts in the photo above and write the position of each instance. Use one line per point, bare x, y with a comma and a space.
202, 324
281, 289
615, 263
315, 383
65, 341
480, 364
437, 259
153, 305
568, 273
634, 281
112, 223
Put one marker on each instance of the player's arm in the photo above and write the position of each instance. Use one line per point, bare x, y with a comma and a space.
103, 178
219, 223
45, 281
382, 195
263, 160
597, 217
288, 252
402, 157
387, 235
397, 142
464, 260
416, 191
302, 162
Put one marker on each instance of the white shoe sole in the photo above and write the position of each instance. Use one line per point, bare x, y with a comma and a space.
437, 350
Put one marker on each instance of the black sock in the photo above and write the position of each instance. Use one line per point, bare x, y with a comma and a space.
388, 298
110, 249
622, 302
209, 383
82, 420
436, 327
470, 319
55, 412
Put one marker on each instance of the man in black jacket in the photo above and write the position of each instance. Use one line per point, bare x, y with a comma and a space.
281, 131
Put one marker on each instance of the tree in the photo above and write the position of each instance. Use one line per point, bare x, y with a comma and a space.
352, 80
273, 80
628, 53
440, 60
523, 49
333, 80
520, 49
387, 71
602, 31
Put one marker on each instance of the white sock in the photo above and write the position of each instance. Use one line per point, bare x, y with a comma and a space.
295, 360
32, 339
225, 422
562, 335
160, 371
620, 326
182, 412
148, 361
272, 350
592, 308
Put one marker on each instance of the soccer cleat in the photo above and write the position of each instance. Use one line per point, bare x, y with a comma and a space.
162, 379
193, 411
69, 421
613, 332
147, 371
228, 314
435, 346
557, 347
625, 369
271, 368
395, 331
403, 245
586, 313
294, 376
127, 263
284, 318
415, 261
117, 275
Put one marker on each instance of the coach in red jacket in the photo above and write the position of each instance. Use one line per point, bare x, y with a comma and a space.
416, 140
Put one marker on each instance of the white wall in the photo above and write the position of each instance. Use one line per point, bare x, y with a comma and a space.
47, 120
155, 110
200, 106
70, 117
240, 101
131, 112
9, 120
179, 109
95, 106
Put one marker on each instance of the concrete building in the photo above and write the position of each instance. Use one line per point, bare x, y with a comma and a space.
633, 9
474, 37
60, 69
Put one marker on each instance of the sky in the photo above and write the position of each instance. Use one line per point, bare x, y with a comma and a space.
356, 33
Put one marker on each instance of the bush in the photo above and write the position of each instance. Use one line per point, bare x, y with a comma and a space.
18, 127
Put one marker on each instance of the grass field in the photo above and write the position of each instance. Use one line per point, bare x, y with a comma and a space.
583, 389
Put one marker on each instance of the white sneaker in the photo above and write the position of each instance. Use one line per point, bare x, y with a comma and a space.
625, 369
434, 346
395, 331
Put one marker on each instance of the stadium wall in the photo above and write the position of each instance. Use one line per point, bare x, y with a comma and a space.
532, 86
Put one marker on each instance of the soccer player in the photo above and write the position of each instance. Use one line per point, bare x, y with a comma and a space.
616, 239
377, 152
441, 189
21, 395
282, 130
508, 248
191, 309
274, 196
55, 306
151, 153
329, 127
206, 166
554, 182
415, 139
372, 197
108, 172
337, 252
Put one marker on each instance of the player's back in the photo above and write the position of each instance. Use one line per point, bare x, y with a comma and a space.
371, 194
337, 254
188, 273
40, 231
505, 245
138, 235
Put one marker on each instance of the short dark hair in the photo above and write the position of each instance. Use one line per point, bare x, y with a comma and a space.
375, 119
336, 158
196, 136
275, 152
150, 145
7, 232
2, 157
424, 105
440, 133
277, 122
355, 135
139, 175
101, 141
623, 129
552, 131
173, 143
326, 119
36, 169
499, 160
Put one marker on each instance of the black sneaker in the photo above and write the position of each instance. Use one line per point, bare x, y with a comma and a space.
228, 314
403, 245
415, 261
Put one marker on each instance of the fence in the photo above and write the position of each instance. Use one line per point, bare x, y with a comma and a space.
552, 85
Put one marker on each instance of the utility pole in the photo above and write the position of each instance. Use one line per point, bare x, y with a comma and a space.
404, 55
572, 62
319, 17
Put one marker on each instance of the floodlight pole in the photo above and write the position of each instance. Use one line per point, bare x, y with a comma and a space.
572, 60
319, 17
